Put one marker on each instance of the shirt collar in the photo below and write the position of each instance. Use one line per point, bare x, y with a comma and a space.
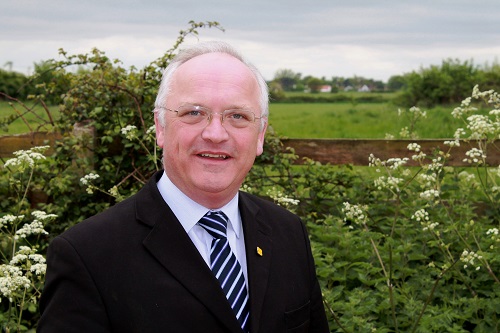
189, 212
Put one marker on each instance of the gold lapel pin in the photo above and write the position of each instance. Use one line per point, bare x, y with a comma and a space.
259, 251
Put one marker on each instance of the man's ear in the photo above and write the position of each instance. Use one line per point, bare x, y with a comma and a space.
260, 140
160, 132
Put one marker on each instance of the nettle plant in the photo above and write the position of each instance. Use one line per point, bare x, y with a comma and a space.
421, 251
22, 241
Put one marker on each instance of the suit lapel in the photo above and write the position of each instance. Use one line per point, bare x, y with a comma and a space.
258, 245
172, 247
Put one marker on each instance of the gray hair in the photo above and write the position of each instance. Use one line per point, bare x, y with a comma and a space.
200, 49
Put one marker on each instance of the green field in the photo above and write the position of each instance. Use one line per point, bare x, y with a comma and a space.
306, 120
347, 120
34, 119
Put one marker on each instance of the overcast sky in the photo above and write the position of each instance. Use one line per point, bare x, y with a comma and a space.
370, 38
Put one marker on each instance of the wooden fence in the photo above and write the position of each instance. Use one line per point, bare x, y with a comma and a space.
333, 151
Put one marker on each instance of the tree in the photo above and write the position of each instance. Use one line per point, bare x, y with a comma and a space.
287, 78
449, 83
314, 84
396, 82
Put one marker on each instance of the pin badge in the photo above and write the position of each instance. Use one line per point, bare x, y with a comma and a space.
259, 251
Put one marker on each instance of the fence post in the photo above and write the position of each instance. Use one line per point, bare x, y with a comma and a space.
85, 134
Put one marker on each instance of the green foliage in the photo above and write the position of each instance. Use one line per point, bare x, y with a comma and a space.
23, 239
403, 249
446, 84
12, 84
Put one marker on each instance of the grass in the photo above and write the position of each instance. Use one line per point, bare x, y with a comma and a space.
38, 120
363, 120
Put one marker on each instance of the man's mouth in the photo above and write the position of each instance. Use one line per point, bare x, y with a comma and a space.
217, 156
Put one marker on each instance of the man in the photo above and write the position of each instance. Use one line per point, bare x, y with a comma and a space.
189, 252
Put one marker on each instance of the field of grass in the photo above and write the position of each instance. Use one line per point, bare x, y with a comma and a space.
18, 126
363, 120
370, 120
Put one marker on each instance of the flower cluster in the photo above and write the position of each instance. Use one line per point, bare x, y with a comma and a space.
422, 216
12, 279
480, 126
87, 181
36, 226
428, 180
16, 274
355, 213
494, 234
129, 131
26, 158
475, 156
10, 219
430, 195
391, 163
389, 182
469, 258
281, 199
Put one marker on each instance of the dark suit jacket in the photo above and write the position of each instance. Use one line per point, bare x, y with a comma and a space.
133, 268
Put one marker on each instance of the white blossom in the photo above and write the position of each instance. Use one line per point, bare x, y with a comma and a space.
26, 158
355, 213
414, 147
469, 258
129, 131
9, 219
429, 194
85, 180
475, 156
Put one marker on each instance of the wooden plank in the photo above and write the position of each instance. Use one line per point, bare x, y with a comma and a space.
333, 151
357, 151
12, 143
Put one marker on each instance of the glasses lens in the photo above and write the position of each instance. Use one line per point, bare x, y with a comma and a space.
192, 114
239, 118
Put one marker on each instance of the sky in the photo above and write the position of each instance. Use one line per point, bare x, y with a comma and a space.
374, 39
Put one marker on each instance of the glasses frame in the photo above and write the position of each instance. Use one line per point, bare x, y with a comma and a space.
211, 113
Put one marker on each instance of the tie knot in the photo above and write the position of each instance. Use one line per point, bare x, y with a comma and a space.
215, 223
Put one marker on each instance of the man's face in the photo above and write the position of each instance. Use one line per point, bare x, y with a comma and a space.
209, 161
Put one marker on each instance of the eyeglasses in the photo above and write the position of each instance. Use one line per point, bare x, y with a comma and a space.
195, 114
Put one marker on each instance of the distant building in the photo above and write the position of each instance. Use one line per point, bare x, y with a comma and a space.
325, 88
364, 88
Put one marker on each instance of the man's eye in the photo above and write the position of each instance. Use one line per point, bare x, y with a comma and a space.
192, 113
239, 116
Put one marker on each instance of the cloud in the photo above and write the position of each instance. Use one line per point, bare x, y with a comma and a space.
323, 38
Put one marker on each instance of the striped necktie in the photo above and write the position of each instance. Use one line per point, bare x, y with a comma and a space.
226, 267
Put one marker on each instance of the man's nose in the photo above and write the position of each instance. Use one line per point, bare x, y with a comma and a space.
214, 129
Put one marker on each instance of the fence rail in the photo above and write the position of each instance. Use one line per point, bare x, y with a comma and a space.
333, 151
356, 151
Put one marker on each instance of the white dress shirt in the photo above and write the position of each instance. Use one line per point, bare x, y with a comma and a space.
189, 212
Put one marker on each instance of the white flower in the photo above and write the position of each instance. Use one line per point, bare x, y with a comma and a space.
11, 280
33, 228
26, 158
454, 143
388, 182
469, 258
9, 219
280, 198
414, 147
151, 130
354, 213
480, 126
85, 180
130, 131
422, 216
429, 194
475, 156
